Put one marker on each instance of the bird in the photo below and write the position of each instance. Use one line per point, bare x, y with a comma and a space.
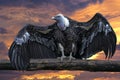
64, 38
67, 44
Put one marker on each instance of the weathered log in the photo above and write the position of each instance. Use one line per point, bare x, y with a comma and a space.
54, 64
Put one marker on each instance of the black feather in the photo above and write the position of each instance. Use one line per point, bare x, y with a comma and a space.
97, 40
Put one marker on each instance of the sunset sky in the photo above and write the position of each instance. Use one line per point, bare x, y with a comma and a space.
14, 14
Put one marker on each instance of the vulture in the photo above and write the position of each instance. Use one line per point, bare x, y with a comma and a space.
64, 38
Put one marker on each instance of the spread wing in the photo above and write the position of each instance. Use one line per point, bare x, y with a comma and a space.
31, 43
99, 36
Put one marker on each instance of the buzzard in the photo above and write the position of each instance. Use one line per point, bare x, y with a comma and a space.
64, 38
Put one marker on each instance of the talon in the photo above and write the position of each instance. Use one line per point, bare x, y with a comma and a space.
62, 57
85, 58
71, 58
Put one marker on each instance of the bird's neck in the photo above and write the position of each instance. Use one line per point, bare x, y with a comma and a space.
63, 23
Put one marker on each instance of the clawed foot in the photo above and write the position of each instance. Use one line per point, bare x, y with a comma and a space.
61, 58
71, 58
85, 58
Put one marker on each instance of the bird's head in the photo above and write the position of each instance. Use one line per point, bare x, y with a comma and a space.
62, 21
58, 17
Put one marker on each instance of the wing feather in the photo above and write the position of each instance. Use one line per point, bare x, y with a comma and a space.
30, 43
99, 37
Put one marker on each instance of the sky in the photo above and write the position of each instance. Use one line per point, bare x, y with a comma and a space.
14, 14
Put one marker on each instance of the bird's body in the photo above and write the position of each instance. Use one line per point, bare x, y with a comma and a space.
66, 37
68, 42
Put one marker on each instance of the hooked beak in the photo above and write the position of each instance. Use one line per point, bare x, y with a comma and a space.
53, 18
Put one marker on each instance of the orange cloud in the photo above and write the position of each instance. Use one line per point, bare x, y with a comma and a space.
60, 75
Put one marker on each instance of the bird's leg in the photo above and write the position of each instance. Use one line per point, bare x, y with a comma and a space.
62, 51
71, 57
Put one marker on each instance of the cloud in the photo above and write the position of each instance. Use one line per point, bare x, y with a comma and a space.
3, 30
3, 51
98, 76
58, 75
52, 75
118, 47
62, 5
4, 17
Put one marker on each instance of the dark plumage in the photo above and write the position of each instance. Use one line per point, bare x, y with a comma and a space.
66, 37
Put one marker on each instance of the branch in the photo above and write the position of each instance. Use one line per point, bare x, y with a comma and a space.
54, 64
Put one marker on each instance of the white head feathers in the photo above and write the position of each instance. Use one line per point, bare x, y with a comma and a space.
62, 21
